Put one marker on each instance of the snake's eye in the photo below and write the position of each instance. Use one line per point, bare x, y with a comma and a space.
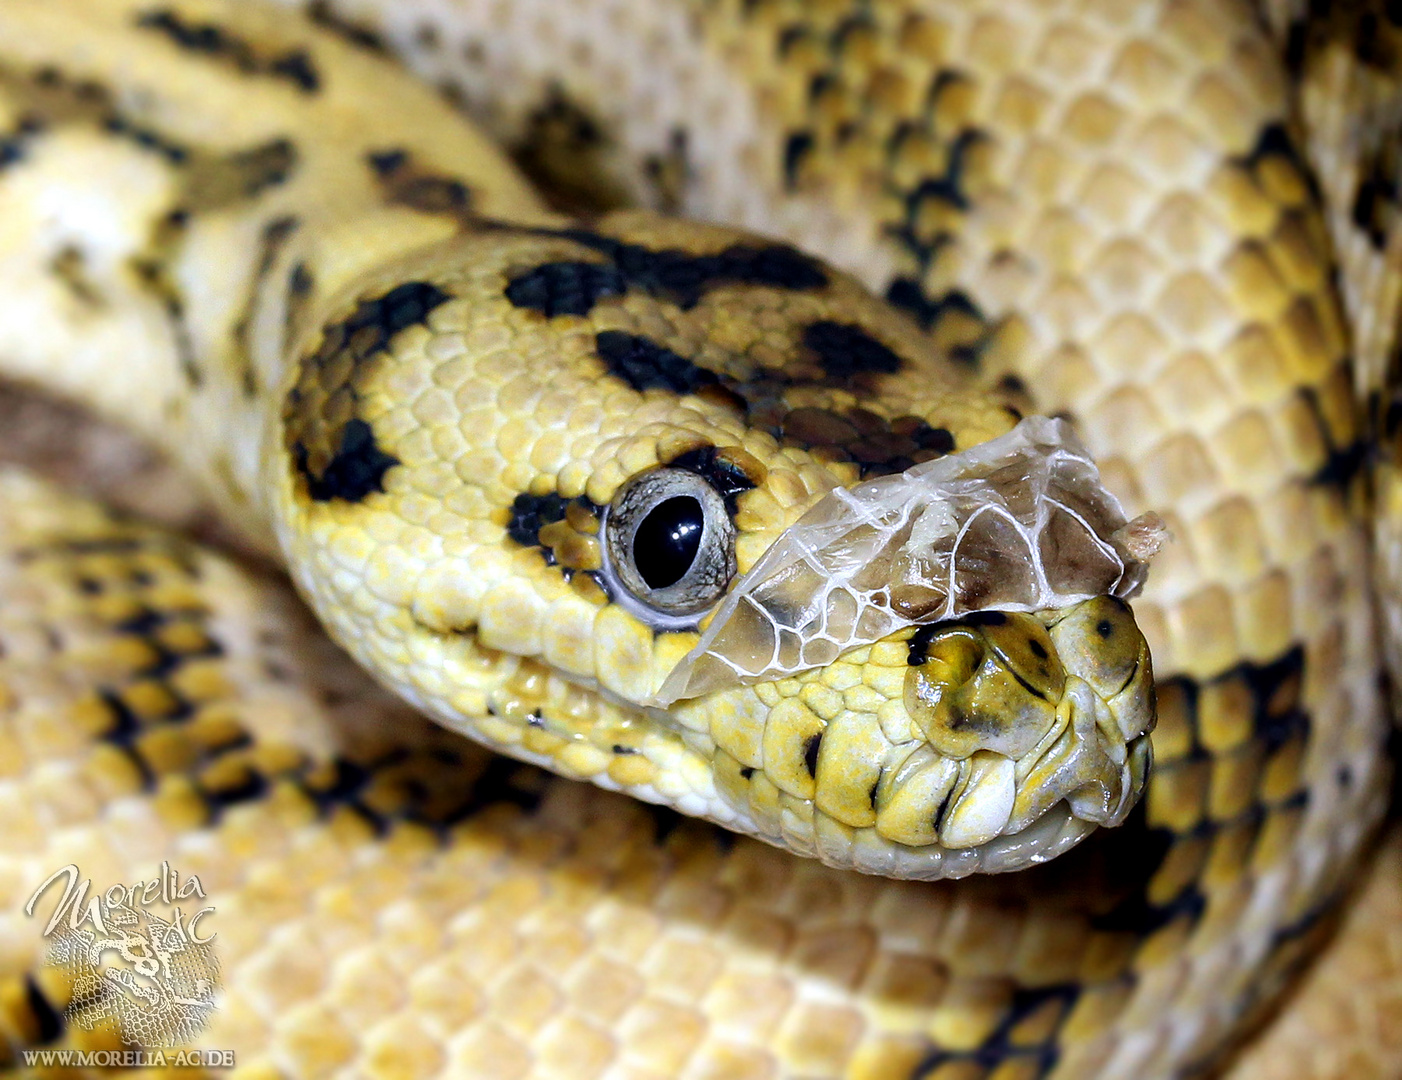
670, 544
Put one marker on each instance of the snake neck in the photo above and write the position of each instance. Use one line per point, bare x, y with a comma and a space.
183, 222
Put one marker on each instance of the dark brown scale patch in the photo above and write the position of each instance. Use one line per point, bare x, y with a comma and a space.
214, 41
811, 746
405, 182
228, 179
565, 150
878, 445
845, 350
570, 287
645, 365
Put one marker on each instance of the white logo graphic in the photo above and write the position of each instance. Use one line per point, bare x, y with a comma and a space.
149, 975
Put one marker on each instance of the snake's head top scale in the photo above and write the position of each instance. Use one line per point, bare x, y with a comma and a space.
691, 515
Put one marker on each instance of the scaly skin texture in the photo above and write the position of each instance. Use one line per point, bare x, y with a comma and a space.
1126, 229
431, 394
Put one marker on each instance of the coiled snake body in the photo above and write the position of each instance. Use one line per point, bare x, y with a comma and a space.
540, 475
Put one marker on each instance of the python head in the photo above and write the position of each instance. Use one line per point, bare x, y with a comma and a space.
920, 678
687, 514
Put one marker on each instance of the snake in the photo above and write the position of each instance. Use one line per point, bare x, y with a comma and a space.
922, 461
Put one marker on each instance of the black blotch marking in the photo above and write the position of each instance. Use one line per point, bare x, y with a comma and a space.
348, 782
618, 748
321, 13
210, 39
918, 649
1343, 464
1002, 1048
907, 294
645, 365
746, 772
1142, 918
1037, 648
299, 280
845, 350
386, 163
797, 147
1275, 140
146, 138
372, 325
1376, 197
357, 469
570, 287
934, 438
14, 146
811, 746
707, 462
252, 785
47, 1020
945, 192
530, 513
559, 110
1104, 628
1277, 715
565, 288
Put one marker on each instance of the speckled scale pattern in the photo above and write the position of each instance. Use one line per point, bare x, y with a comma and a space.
1103, 200
1130, 229
394, 901
496, 393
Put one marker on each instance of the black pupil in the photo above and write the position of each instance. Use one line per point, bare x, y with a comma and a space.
664, 547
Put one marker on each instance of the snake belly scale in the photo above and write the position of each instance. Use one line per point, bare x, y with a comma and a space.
299, 271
